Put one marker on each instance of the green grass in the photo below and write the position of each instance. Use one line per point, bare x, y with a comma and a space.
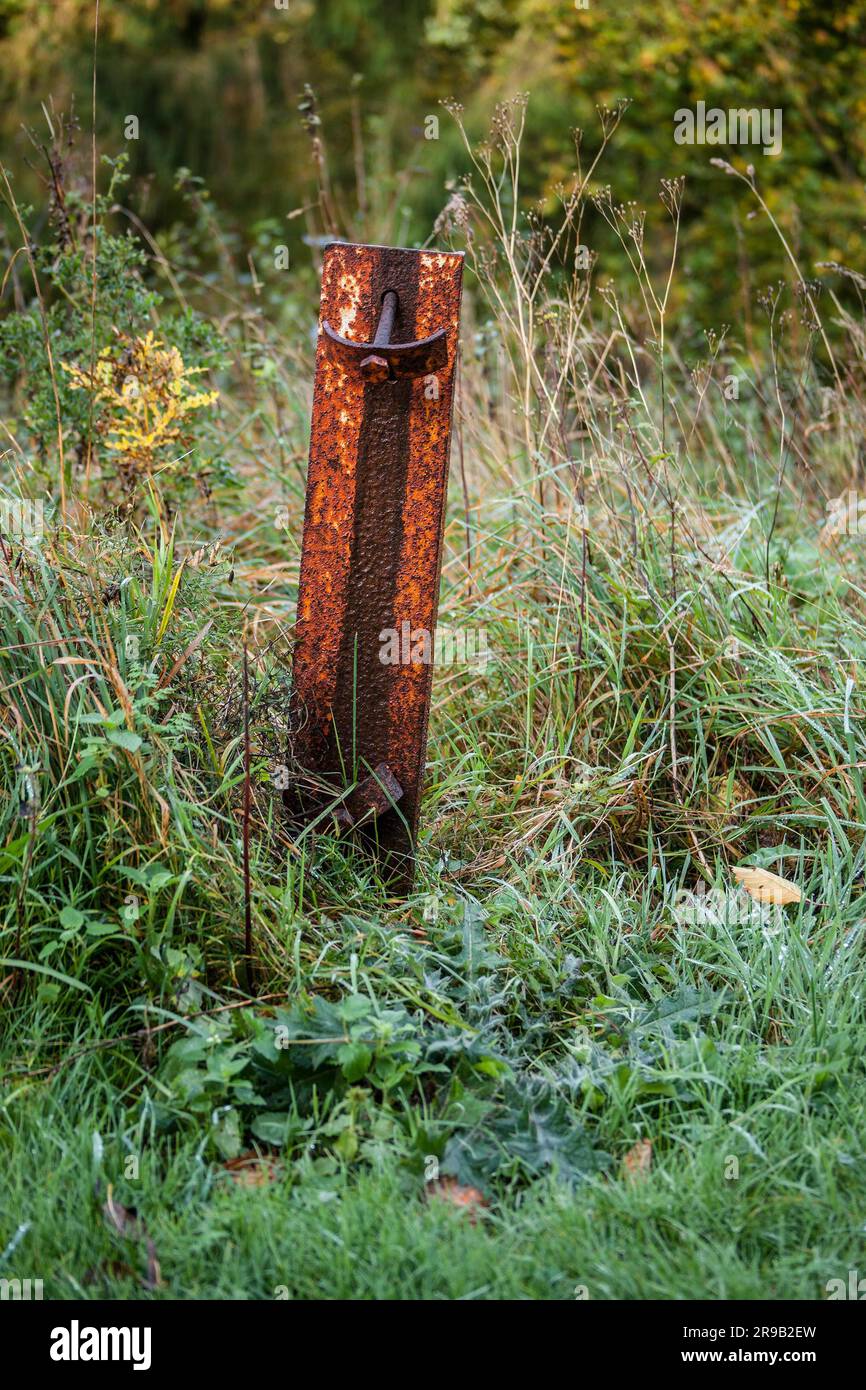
674, 687
756, 1187
788, 1223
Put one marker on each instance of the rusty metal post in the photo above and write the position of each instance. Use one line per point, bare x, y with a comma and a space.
371, 555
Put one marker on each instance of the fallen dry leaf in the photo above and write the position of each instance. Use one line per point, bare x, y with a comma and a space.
252, 1170
153, 1276
467, 1199
125, 1222
764, 886
638, 1160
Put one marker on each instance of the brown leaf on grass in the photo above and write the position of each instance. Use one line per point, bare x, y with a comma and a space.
764, 886
253, 1170
153, 1275
638, 1160
467, 1199
125, 1222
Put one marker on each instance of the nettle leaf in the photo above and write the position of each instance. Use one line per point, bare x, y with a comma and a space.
112, 720
354, 1007
102, 929
355, 1060
157, 877
226, 1062
124, 739
193, 1048
278, 1128
321, 1019
71, 918
244, 1093
271, 1128
189, 1083
226, 1131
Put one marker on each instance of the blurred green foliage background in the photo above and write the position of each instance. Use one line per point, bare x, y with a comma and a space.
215, 85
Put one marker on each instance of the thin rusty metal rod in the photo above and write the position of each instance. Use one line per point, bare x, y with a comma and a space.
375, 368
385, 326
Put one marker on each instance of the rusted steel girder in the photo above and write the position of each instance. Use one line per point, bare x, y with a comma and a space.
371, 557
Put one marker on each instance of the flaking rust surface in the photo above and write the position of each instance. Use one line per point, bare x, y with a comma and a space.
416, 598
338, 400
373, 529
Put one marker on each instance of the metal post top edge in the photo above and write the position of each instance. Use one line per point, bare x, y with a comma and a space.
404, 250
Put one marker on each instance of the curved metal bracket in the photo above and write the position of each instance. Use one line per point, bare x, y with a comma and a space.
382, 360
